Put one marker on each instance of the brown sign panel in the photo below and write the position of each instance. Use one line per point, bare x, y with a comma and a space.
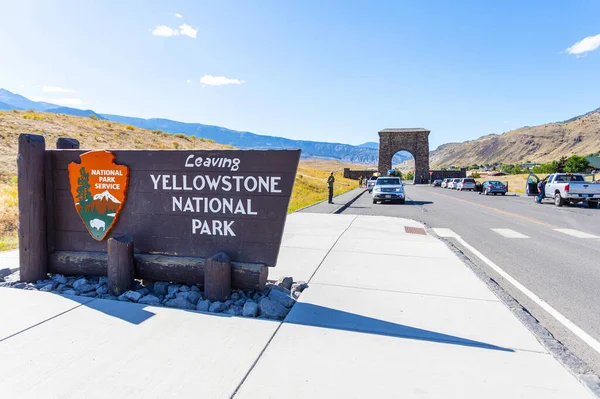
179, 203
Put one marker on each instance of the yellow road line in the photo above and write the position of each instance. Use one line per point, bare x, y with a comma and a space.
516, 215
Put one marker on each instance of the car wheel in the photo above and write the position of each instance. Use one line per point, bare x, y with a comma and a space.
503, 193
593, 204
558, 200
401, 202
374, 201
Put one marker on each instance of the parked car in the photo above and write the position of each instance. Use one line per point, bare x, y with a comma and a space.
493, 187
388, 189
436, 183
445, 183
567, 188
371, 183
466, 184
453, 183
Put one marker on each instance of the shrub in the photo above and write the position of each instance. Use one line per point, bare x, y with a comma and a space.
175, 145
94, 117
475, 175
129, 127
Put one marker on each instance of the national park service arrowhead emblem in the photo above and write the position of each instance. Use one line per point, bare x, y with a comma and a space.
98, 187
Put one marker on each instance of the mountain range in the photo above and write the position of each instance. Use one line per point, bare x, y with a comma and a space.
363, 154
543, 143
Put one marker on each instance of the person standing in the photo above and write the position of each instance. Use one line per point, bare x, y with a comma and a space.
330, 181
360, 181
541, 191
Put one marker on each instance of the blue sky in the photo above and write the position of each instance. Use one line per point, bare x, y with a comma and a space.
318, 70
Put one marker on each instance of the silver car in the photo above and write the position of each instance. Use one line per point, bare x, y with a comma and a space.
466, 184
388, 189
371, 183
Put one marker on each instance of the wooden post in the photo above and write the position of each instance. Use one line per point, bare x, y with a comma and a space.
120, 264
32, 208
217, 277
67, 144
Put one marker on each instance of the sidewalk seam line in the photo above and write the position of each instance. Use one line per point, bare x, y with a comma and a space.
44, 321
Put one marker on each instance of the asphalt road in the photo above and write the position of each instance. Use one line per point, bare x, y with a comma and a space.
561, 269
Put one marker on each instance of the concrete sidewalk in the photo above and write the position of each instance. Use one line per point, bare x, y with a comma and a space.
388, 314
339, 202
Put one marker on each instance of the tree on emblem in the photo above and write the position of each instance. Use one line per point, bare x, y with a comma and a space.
84, 196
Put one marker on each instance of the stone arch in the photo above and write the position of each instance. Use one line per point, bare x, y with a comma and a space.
415, 141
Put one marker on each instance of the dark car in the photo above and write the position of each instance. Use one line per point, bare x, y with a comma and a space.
493, 187
437, 183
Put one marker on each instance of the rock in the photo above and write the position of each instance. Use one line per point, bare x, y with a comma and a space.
256, 296
272, 287
192, 296
59, 278
143, 291
234, 311
250, 309
20, 285
61, 287
90, 294
285, 282
71, 280
79, 283
5, 272
180, 302
217, 307
109, 296
271, 309
195, 288
240, 302
101, 289
69, 292
184, 288
235, 296
282, 298
103, 280
228, 303
150, 300
296, 294
133, 296
299, 286
173, 289
203, 306
86, 287
160, 288
49, 287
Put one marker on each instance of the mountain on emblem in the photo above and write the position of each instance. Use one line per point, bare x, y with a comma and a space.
98, 187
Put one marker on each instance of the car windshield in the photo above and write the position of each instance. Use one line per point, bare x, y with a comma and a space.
387, 182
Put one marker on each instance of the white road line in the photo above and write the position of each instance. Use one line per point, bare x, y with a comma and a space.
585, 337
509, 233
445, 232
576, 233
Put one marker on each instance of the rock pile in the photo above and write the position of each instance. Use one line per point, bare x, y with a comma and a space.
274, 302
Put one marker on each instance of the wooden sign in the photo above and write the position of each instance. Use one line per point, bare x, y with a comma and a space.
99, 188
183, 203
172, 211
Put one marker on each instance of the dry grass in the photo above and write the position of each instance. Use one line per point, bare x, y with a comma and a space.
9, 210
311, 186
91, 133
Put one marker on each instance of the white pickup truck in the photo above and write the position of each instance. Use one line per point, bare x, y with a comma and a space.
568, 188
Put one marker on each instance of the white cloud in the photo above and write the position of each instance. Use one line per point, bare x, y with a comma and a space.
589, 43
187, 30
179, 15
189, 81
164, 31
219, 80
54, 89
59, 101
